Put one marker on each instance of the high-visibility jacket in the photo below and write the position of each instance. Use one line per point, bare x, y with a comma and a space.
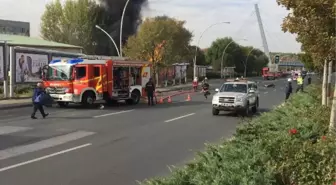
299, 80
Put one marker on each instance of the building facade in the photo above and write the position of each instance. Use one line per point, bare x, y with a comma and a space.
14, 27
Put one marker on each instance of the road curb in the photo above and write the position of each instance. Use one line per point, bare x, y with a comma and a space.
15, 106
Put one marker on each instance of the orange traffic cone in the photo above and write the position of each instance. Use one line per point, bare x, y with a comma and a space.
188, 98
169, 99
161, 100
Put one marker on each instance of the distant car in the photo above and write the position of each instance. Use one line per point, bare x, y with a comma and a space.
238, 96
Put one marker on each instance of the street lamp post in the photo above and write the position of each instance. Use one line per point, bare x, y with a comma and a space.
245, 64
196, 48
121, 26
114, 43
227, 46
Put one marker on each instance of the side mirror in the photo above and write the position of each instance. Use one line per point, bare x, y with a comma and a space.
44, 71
217, 90
251, 91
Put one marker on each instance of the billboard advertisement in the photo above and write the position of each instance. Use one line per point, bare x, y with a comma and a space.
29, 66
2, 66
180, 71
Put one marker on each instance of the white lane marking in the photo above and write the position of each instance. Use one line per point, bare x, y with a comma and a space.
187, 115
10, 129
113, 113
44, 157
19, 150
265, 92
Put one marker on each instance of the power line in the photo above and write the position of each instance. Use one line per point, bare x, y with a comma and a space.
244, 23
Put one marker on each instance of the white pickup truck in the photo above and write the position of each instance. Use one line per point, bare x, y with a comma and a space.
240, 96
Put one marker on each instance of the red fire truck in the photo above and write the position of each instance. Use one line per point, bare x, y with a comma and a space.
88, 81
267, 75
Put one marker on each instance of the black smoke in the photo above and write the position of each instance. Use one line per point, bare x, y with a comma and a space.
110, 19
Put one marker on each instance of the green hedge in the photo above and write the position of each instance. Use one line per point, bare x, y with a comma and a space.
290, 145
21, 90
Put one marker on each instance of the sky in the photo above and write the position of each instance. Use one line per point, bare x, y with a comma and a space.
199, 16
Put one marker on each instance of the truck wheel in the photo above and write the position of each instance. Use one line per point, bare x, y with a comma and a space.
63, 104
215, 112
88, 99
135, 98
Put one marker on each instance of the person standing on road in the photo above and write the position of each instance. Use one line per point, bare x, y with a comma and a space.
150, 89
299, 83
205, 87
37, 101
195, 84
289, 88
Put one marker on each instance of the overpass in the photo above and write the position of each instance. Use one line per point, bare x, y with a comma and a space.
291, 64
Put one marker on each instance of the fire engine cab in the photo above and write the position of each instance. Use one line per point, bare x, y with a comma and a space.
87, 81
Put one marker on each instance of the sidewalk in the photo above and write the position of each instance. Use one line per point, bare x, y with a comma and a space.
26, 102
15, 103
174, 88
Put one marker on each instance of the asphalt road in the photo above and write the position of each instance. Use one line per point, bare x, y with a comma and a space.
116, 145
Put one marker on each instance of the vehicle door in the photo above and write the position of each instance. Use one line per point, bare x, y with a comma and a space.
256, 94
96, 78
251, 96
81, 79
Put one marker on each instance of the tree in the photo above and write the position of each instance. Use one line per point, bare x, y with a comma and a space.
255, 59
314, 23
161, 40
72, 23
190, 55
308, 61
235, 55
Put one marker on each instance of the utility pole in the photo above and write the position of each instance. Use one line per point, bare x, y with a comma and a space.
263, 38
5, 55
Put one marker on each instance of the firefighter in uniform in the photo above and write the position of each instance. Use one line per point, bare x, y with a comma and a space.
150, 89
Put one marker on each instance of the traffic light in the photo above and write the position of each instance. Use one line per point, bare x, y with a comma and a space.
276, 59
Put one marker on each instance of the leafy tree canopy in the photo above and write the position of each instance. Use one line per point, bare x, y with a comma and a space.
161, 40
235, 55
72, 23
190, 55
314, 24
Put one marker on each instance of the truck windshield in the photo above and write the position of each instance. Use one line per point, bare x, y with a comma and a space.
59, 72
240, 88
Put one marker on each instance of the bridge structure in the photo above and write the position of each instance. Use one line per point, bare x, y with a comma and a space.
286, 60
291, 64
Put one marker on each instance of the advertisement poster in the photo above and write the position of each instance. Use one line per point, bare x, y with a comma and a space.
180, 71
29, 66
1, 64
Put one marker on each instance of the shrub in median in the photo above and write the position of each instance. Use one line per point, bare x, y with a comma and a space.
21, 90
289, 145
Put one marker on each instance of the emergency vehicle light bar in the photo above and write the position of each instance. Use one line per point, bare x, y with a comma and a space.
75, 61
55, 61
68, 61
